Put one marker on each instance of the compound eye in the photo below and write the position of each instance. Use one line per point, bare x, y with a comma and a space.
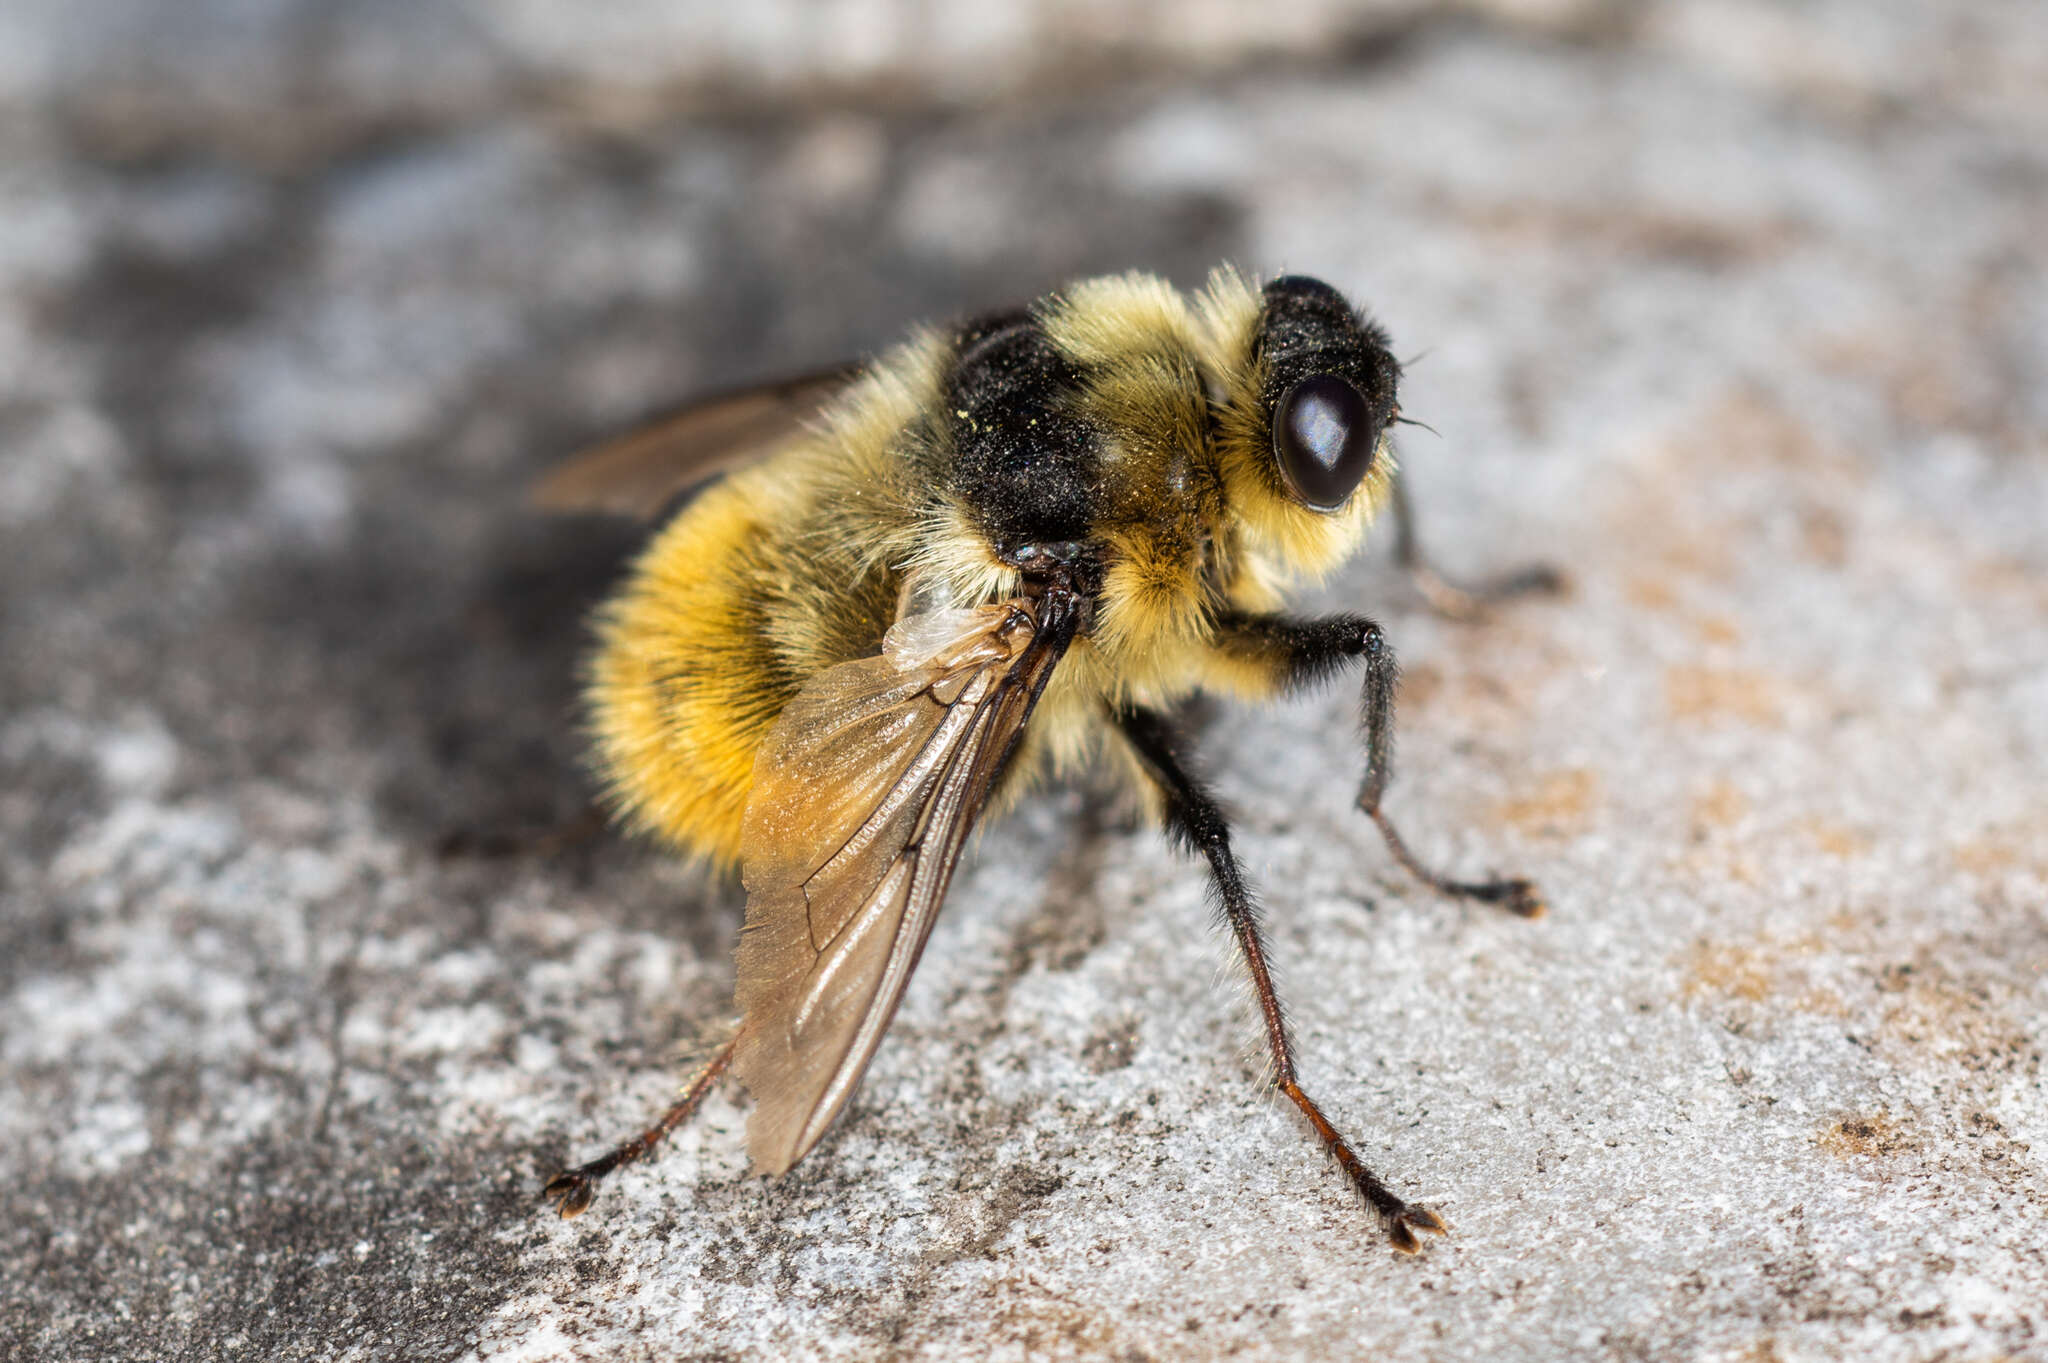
1324, 436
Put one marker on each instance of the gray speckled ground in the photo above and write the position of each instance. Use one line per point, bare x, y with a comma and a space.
1738, 312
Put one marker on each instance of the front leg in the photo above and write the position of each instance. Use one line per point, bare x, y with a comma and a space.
1295, 653
1193, 817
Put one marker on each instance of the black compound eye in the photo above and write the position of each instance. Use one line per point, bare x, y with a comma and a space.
1324, 436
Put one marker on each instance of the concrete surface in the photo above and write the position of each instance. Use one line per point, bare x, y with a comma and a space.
1738, 312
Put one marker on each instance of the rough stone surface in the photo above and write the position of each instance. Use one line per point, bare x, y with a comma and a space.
1739, 312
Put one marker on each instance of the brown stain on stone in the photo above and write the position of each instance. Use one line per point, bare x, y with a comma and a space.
1491, 689
1914, 1010
1651, 593
1420, 683
1822, 1001
1713, 629
1562, 804
1753, 427
1689, 549
1729, 970
1759, 968
1837, 840
1025, 1315
1858, 1137
1694, 693
1719, 631
2005, 576
1929, 1012
1691, 238
1713, 848
2018, 846
1659, 523
1988, 855
1824, 535
1711, 859
1945, 375
1678, 535
1720, 805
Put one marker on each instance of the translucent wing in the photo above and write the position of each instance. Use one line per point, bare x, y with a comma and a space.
643, 473
864, 792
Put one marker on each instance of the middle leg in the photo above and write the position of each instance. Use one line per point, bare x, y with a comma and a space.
1193, 818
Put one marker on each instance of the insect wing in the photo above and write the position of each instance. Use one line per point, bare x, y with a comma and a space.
864, 793
643, 473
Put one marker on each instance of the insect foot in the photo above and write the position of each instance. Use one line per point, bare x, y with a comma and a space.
1401, 1226
570, 1192
1517, 896
572, 1189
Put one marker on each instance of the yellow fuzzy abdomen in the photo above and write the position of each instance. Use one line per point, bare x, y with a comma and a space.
684, 683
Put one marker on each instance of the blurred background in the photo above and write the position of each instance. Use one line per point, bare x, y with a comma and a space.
1736, 310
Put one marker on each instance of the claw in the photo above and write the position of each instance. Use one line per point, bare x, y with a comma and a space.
570, 1192
1402, 1225
1522, 899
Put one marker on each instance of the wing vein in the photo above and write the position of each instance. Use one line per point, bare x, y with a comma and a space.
837, 921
